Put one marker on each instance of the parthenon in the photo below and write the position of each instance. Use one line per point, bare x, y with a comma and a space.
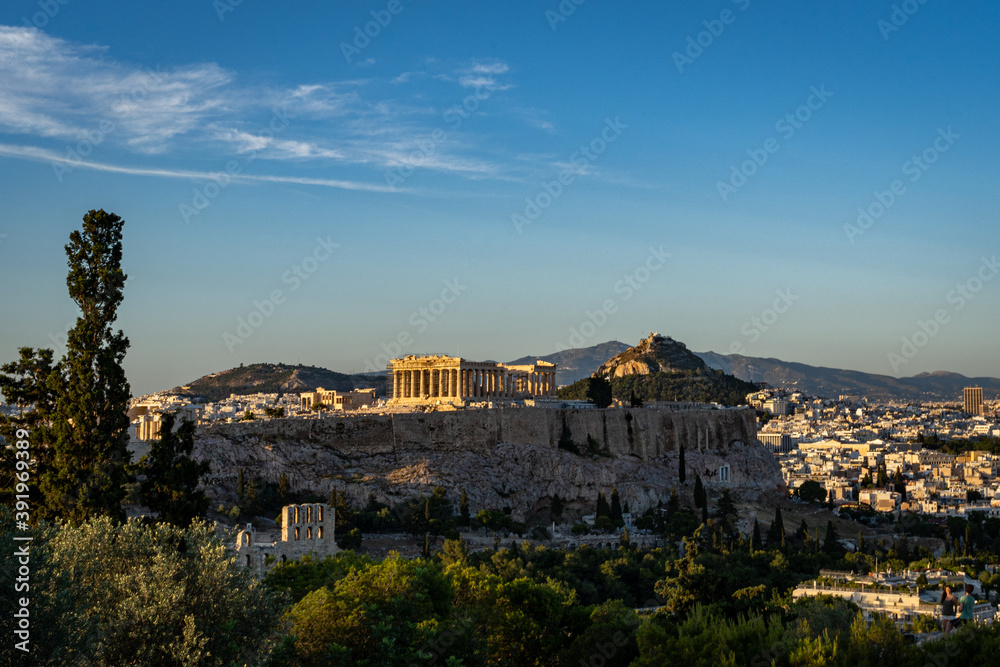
444, 379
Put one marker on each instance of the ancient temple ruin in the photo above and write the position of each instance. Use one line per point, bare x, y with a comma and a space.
305, 529
442, 379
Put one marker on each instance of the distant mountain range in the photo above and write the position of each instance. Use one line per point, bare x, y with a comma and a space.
815, 380
579, 363
576, 364
832, 382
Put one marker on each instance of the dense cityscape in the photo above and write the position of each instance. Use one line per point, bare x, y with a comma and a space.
572, 334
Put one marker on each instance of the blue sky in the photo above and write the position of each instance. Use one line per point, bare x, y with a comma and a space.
498, 179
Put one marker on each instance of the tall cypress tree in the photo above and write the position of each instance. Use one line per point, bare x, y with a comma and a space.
556, 510
776, 533
602, 506
830, 543
673, 505
616, 505
899, 484
87, 475
463, 508
699, 492
681, 467
755, 542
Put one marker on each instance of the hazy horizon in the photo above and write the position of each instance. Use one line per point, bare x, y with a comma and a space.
813, 184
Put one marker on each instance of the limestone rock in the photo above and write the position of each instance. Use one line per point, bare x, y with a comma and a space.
502, 457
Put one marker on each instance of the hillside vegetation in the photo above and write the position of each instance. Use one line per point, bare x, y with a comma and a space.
662, 369
276, 378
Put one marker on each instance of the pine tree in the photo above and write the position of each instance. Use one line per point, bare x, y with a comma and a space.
755, 542
171, 479
616, 505
682, 467
89, 449
463, 508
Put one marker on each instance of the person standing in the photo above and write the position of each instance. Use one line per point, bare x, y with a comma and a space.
966, 604
947, 610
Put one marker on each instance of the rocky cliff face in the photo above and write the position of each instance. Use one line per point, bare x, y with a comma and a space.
502, 457
652, 354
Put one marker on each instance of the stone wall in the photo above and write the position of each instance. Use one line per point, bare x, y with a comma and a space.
502, 457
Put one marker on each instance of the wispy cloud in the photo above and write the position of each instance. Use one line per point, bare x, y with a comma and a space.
485, 75
45, 155
53, 90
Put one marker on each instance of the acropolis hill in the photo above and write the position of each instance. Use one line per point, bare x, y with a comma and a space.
502, 456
